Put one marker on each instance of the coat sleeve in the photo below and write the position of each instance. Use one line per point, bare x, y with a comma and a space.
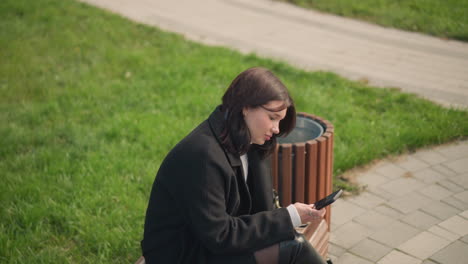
203, 199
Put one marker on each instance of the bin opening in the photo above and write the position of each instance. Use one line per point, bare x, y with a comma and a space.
306, 129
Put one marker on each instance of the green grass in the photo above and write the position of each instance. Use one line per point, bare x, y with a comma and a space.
441, 18
91, 103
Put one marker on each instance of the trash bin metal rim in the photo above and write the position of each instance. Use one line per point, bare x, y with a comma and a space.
325, 127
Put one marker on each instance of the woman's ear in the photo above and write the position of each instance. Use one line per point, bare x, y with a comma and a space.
245, 111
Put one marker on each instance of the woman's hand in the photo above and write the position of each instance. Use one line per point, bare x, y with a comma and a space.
308, 213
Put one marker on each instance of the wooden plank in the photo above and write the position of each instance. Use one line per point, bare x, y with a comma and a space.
319, 239
318, 233
299, 172
311, 171
286, 174
322, 246
329, 183
318, 236
310, 230
322, 164
326, 175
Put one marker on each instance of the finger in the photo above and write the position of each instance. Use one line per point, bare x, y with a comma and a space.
323, 212
313, 214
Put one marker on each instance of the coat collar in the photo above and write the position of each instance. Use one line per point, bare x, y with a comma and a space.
216, 121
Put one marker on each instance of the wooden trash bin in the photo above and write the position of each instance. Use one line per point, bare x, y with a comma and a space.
302, 165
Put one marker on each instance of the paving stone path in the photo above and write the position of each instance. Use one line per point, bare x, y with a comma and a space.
415, 207
414, 210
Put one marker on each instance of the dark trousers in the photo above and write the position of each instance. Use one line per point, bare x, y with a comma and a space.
296, 251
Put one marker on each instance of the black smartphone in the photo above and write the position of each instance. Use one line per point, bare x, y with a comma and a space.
328, 200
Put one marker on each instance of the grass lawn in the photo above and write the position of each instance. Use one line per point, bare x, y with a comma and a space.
91, 103
441, 18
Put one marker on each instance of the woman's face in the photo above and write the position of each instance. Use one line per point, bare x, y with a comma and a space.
263, 121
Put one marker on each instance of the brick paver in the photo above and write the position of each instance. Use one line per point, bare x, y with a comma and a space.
454, 152
443, 170
335, 250
412, 164
371, 250
435, 191
367, 200
344, 211
372, 179
424, 245
380, 192
420, 220
456, 203
395, 234
388, 211
402, 186
399, 257
464, 239
464, 214
374, 220
440, 210
349, 234
458, 166
428, 261
441, 232
461, 180
462, 196
390, 170
429, 175
454, 253
456, 224
450, 185
349, 258
430, 157
410, 202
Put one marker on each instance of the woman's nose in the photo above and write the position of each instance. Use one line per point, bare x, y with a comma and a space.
275, 129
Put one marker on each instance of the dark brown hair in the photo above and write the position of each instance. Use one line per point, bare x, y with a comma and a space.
253, 88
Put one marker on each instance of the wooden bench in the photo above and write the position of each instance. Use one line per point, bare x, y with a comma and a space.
317, 235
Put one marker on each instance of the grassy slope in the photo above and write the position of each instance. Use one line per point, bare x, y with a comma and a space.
442, 18
91, 103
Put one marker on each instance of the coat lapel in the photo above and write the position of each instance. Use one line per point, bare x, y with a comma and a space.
260, 184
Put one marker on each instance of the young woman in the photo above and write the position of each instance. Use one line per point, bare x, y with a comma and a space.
212, 199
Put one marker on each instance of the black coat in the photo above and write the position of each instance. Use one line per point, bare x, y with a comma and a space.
200, 205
